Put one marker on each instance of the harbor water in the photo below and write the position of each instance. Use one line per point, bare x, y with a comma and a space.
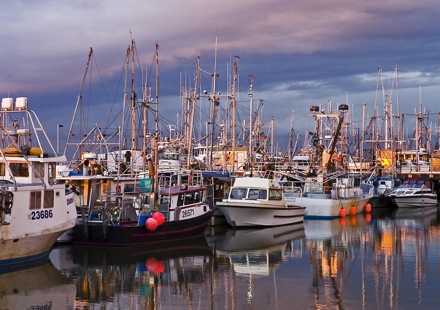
386, 260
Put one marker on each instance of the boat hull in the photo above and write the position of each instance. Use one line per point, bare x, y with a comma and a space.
415, 201
331, 208
30, 235
126, 235
245, 215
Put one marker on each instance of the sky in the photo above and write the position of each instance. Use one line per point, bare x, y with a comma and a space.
300, 53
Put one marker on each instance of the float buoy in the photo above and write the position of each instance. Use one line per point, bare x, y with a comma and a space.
353, 210
159, 217
368, 208
342, 212
151, 224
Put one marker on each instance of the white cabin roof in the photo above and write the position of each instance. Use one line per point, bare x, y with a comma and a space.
255, 182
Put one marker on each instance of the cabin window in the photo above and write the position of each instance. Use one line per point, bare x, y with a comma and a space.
38, 170
52, 173
128, 188
275, 194
48, 199
2, 169
238, 193
262, 194
180, 200
35, 200
189, 198
198, 196
253, 193
357, 182
164, 199
19, 169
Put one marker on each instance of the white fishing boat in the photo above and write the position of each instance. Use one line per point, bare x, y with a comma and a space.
335, 196
414, 193
254, 201
35, 209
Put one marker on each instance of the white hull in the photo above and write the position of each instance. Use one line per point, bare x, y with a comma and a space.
415, 201
251, 215
330, 208
30, 235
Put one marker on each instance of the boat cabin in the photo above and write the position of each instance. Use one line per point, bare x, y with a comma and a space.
256, 188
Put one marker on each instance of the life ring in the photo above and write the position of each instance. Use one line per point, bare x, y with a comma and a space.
118, 188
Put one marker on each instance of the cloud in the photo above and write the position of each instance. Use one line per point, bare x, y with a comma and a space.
299, 52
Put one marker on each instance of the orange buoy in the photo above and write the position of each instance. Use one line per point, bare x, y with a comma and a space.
342, 212
159, 217
368, 208
353, 210
151, 224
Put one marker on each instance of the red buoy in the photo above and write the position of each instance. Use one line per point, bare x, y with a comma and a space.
368, 208
151, 224
353, 210
159, 217
342, 212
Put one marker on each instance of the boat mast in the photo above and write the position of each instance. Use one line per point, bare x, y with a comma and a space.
79, 100
214, 104
157, 132
193, 100
234, 113
133, 101
251, 96
289, 149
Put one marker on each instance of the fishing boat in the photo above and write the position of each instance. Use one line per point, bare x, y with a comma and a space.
414, 193
336, 195
35, 209
133, 218
329, 189
255, 201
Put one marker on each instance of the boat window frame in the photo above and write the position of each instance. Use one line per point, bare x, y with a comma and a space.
19, 169
275, 194
241, 190
35, 200
49, 196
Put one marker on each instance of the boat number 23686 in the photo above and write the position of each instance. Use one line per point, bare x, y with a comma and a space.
187, 213
41, 214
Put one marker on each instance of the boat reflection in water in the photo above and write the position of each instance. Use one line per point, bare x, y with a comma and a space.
254, 256
112, 277
358, 262
41, 286
381, 263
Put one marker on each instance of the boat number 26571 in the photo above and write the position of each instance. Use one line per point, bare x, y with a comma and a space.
41, 214
187, 213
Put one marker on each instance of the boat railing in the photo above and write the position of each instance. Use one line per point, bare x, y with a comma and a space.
115, 207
